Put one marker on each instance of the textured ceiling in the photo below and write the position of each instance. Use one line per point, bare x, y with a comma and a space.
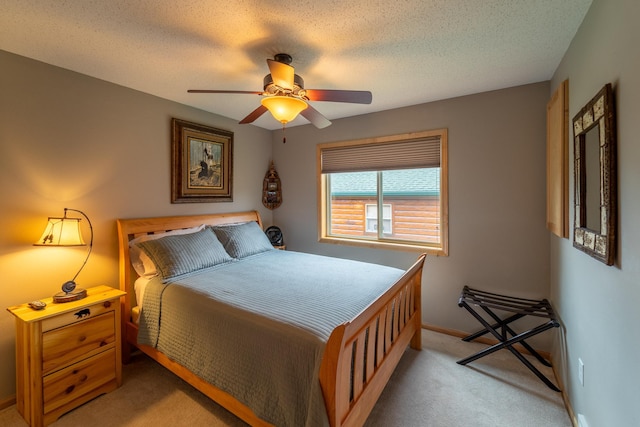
405, 52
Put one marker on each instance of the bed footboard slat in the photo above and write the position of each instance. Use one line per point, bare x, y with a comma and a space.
371, 348
388, 336
358, 363
382, 321
404, 306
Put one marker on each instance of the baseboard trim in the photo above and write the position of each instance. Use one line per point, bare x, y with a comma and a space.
9, 401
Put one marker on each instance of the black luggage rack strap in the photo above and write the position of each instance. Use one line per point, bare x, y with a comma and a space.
520, 307
529, 307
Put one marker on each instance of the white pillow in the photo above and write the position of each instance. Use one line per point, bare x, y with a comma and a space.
141, 261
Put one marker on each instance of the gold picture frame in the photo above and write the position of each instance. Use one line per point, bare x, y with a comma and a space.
202, 163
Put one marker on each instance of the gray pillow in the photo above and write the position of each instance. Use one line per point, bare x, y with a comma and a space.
242, 240
182, 254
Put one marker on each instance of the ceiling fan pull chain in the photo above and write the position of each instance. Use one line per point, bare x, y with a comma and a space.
284, 138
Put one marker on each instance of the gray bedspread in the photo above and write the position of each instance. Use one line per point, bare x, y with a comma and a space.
257, 327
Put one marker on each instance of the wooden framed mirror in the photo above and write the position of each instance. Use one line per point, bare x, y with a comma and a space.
594, 158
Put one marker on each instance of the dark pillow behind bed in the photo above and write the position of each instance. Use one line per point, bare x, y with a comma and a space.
242, 240
181, 254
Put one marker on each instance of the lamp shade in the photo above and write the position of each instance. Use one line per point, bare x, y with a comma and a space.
284, 108
62, 232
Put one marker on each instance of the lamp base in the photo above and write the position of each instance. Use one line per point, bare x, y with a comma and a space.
74, 295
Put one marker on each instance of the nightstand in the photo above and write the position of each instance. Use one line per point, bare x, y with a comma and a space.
281, 247
67, 354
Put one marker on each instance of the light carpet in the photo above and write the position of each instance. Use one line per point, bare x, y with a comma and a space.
427, 389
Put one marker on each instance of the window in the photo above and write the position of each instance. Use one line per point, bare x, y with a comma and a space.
371, 215
388, 192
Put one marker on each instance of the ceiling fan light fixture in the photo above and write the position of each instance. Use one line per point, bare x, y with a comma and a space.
284, 108
285, 97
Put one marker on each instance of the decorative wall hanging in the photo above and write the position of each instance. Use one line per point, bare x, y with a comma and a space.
595, 177
202, 163
271, 189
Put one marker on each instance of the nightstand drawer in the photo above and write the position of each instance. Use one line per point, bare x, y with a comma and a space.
70, 384
63, 346
78, 315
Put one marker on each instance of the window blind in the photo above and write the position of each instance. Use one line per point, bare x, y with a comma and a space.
405, 154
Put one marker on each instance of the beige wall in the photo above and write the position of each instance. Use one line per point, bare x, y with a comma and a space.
598, 305
68, 140
497, 238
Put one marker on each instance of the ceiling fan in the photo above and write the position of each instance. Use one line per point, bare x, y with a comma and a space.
285, 97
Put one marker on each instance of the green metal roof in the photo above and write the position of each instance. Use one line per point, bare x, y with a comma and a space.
404, 182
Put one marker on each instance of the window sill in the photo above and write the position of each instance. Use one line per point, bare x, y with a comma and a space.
429, 250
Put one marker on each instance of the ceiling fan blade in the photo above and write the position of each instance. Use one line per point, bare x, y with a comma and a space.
314, 116
224, 91
282, 74
351, 96
254, 115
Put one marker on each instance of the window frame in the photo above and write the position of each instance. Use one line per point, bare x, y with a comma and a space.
441, 249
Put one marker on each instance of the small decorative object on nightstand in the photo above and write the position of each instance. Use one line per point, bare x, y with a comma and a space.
66, 354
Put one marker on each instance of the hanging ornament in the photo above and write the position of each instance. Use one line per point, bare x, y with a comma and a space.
271, 189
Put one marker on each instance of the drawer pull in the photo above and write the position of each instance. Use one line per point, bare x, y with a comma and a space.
107, 304
70, 389
85, 312
82, 338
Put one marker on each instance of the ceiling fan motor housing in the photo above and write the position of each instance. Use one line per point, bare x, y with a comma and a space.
298, 84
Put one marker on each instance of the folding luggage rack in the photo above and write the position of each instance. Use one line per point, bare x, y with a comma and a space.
520, 307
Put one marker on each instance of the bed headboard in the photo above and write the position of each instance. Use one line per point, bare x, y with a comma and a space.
129, 229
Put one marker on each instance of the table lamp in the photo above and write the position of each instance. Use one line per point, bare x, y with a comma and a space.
65, 231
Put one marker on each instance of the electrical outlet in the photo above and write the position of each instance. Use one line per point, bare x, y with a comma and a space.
581, 372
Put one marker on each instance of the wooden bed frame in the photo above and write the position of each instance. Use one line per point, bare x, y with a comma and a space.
352, 374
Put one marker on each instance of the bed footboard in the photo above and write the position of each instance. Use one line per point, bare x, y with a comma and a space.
361, 355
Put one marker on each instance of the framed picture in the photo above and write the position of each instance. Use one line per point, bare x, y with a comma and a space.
202, 161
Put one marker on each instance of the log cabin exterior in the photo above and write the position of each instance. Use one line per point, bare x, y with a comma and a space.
411, 205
